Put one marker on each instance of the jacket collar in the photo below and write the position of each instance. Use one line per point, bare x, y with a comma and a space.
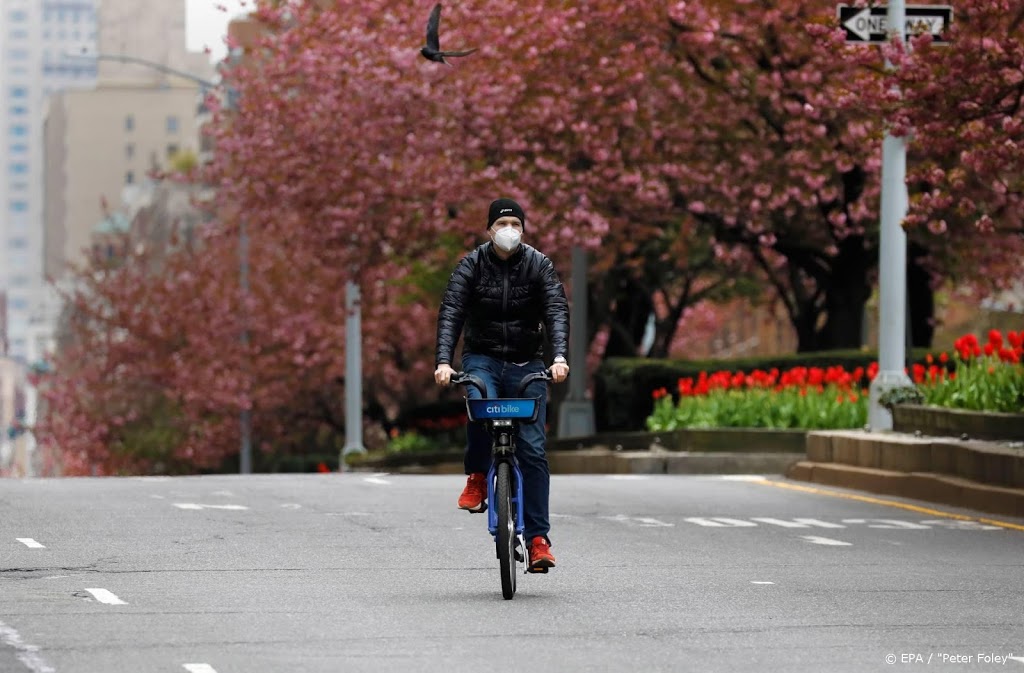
513, 258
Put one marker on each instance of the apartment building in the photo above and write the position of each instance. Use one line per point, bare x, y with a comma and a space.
101, 144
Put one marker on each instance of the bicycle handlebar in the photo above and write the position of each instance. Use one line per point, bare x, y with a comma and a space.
464, 378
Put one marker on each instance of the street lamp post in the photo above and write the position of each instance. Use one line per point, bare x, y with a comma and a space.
353, 375
576, 415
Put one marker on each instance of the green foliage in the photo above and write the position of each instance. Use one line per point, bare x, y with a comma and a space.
151, 438
184, 161
789, 408
982, 384
414, 442
901, 395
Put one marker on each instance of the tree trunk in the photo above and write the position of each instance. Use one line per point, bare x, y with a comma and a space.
920, 298
804, 322
845, 297
628, 320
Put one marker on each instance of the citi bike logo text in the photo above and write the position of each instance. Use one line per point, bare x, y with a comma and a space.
502, 409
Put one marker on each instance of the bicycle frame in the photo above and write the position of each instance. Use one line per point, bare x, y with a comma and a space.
497, 457
501, 417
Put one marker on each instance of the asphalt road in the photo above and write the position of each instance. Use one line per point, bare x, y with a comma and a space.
360, 572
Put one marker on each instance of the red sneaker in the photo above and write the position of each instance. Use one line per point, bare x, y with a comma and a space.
474, 496
540, 555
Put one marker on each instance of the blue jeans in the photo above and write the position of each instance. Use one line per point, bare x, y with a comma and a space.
502, 380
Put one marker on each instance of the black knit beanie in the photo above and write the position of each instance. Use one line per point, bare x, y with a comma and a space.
503, 208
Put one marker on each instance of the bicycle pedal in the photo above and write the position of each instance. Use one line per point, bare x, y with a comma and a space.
537, 571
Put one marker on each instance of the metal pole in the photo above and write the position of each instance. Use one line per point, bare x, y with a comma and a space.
892, 277
353, 375
124, 58
245, 420
576, 414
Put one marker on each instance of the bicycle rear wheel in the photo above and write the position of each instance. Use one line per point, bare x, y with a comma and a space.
506, 530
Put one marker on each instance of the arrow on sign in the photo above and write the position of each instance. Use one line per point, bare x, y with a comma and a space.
858, 24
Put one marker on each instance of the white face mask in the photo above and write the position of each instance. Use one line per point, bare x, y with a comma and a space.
507, 238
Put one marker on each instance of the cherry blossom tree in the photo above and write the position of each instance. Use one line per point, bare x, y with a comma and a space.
692, 147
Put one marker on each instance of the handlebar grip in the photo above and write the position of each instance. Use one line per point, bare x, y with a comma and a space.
462, 378
543, 375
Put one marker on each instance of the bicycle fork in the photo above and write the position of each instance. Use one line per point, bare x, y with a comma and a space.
517, 505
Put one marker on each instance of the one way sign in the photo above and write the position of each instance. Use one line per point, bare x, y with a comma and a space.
868, 24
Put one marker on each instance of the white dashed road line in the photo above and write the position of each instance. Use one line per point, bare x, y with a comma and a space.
720, 522
193, 505
104, 596
30, 543
27, 654
376, 480
760, 582
826, 541
641, 521
199, 668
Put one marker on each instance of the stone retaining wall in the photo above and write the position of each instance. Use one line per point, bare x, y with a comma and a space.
983, 462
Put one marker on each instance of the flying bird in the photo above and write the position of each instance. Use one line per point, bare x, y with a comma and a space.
432, 49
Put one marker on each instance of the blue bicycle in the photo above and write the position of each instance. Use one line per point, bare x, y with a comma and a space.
501, 418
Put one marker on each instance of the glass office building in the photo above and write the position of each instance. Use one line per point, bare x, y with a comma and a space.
36, 38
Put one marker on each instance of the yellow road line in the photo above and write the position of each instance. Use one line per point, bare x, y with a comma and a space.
889, 503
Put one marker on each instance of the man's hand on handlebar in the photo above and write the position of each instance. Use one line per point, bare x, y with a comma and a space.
559, 371
443, 374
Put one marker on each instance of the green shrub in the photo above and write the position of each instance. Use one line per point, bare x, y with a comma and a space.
414, 442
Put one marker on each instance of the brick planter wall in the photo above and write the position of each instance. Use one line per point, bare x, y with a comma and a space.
942, 422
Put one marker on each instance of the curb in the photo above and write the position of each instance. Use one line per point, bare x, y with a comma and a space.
931, 487
608, 461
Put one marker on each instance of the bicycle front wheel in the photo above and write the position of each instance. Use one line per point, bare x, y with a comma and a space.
506, 530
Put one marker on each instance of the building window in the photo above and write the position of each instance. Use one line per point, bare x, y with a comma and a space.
19, 130
18, 169
19, 92
17, 243
18, 110
19, 206
129, 151
18, 148
172, 124
172, 149
129, 178
17, 16
129, 123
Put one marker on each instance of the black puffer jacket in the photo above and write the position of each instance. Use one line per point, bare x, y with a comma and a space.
504, 306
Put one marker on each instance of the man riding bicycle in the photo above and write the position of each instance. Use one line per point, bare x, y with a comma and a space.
502, 298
